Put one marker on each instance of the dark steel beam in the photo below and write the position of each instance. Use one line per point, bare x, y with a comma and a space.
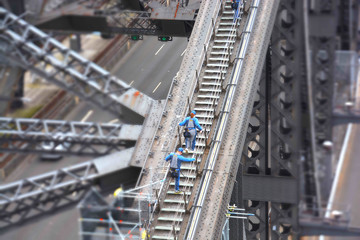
270, 188
271, 151
327, 227
344, 118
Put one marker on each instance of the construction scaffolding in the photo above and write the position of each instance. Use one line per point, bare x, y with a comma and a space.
127, 214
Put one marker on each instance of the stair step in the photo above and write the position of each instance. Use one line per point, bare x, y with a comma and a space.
173, 210
163, 237
187, 176
216, 84
174, 200
212, 76
222, 47
167, 228
207, 96
219, 59
182, 184
170, 219
223, 53
203, 109
227, 24
217, 65
205, 123
184, 167
224, 40
225, 29
215, 71
173, 192
210, 90
227, 18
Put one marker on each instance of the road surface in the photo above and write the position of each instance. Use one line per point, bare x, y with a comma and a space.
150, 66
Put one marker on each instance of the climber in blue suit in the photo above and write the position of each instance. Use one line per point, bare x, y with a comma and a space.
175, 165
191, 123
235, 5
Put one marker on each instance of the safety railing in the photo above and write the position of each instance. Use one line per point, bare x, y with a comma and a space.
210, 162
193, 77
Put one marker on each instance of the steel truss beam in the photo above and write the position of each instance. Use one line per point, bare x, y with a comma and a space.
80, 138
32, 49
33, 196
272, 144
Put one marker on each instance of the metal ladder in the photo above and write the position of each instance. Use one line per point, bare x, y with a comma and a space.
173, 209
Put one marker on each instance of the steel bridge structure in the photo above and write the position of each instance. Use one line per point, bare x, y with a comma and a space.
262, 85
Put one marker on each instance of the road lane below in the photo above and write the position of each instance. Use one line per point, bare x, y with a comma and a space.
63, 224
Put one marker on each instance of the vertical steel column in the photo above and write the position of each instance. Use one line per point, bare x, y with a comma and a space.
273, 141
348, 24
285, 111
322, 39
255, 158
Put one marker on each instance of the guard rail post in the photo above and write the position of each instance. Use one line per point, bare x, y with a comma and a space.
179, 133
205, 55
188, 103
185, 203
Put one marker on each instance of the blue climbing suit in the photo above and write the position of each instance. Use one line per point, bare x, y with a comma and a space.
236, 4
175, 163
192, 124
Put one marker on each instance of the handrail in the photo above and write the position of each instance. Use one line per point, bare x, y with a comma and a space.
198, 69
218, 135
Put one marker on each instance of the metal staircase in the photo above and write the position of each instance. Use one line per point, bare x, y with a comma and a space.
172, 212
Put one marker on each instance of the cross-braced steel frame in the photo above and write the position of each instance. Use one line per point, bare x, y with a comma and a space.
272, 145
75, 138
29, 197
322, 41
33, 196
32, 49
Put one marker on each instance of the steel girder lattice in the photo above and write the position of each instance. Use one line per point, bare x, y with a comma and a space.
273, 142
34, 50
36, 195
80, 138
322, 47
30, 197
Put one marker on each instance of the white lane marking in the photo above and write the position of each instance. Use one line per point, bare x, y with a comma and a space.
159, 49
87, 115
114, 121
131, 82
183, 52
157, 87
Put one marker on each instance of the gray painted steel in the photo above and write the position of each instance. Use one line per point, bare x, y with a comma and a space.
272, 144
79, 138
322, 61
222, 181
269, 188
43, 193
32, 49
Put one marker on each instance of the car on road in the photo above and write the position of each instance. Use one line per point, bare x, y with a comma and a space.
50, 145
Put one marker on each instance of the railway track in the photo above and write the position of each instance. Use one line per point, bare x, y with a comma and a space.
167, 223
